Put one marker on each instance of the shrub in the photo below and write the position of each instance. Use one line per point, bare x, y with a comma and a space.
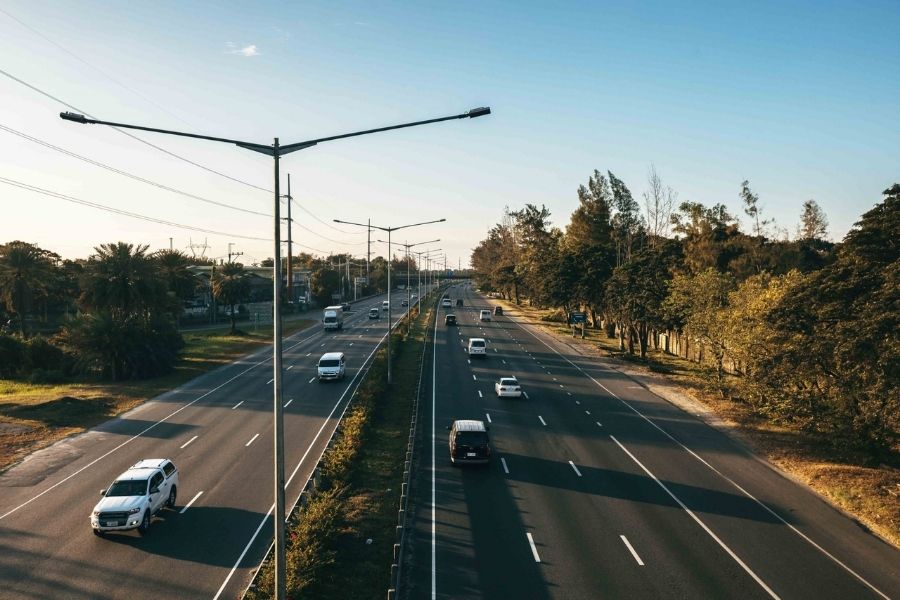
12, 355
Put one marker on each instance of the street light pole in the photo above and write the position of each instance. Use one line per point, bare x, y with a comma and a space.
276, 151
389, 230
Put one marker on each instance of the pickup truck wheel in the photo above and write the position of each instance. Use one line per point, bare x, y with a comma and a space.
145, 523
98, 533
172, 495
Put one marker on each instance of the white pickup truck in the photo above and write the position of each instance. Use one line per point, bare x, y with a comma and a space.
135, 496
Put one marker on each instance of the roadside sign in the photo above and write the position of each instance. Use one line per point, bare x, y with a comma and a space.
577, 317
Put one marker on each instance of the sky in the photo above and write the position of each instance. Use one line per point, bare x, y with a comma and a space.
799, 98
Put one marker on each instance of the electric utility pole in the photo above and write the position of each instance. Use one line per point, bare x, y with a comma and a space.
290, 269
230, 253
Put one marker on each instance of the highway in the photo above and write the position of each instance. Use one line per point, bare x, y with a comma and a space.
597, 488
217, 429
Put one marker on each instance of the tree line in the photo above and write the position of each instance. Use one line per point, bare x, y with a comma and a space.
808, 326
114, 315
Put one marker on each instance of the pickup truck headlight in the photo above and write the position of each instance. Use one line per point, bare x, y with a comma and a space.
96, 513
134, 510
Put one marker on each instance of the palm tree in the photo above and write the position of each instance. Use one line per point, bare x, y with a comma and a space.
229, 286
180, 282
25, 275
123, 279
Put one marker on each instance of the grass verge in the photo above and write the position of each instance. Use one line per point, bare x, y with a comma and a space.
341, 544
33, 416
870, 493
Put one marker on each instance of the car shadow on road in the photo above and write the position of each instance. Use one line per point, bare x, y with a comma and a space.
637, 488
209, 535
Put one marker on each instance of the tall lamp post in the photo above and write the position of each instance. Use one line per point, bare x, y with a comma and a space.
276, 151
389, 230
408, 246
419, 270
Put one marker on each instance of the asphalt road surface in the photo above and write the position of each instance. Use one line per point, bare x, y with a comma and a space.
598, 488
217, 429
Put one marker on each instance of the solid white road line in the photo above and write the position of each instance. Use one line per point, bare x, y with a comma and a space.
630, 549
574, 467
544, 423
311, 380
188, 442
251, 440
488, 417
709, 531
505, 468
537, 558
480, 395
236, 405
286, 404
744, 491
188, 505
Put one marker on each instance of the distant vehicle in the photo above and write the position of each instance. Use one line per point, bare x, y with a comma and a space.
136, 496
450, 320
469, 442
498, 310
414, 296
331, 366
404, 303
345, 305
385, 305
445, 303
333, 317
459, 302
508, 387
374, 313
477, 347
485, 315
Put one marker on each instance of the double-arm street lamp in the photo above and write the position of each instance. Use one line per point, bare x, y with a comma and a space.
390, 308
408, 246
276, 151
419, 271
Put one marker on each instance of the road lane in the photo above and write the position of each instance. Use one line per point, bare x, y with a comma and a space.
44, 503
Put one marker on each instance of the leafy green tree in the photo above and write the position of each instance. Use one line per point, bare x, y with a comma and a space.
637, 291
326, 282
696, 303
26, 273
627, 222
230, 287
836, 359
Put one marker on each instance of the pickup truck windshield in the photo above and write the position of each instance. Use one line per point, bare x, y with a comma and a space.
134, 487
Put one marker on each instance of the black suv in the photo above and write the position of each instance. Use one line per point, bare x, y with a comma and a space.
498, 310
450, 320
469, 442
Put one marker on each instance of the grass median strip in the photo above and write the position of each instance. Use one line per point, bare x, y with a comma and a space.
33, 416
340, 545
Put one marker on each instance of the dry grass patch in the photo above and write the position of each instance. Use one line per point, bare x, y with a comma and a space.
34, 416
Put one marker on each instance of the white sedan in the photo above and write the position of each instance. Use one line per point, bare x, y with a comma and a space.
508, 387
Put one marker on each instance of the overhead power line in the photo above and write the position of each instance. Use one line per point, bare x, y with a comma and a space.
132, 136
96, 68
134, 215
127, 174
310, 213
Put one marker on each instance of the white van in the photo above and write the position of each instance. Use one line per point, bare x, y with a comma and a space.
332, 366
385, 305
485, 315
477, 347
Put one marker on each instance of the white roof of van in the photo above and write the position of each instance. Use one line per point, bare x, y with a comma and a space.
332, 356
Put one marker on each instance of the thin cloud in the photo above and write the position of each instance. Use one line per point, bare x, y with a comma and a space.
249, 50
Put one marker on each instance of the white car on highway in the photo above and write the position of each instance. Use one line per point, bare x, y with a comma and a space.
477, 347
135, 496
508, 387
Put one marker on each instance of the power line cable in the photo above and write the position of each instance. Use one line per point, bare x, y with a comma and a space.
127, 174
134, 215
310, 213
96, 68
132, 136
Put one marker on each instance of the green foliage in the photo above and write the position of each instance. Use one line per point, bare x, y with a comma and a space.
12, 356
25, 275
835, 361
230, 287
